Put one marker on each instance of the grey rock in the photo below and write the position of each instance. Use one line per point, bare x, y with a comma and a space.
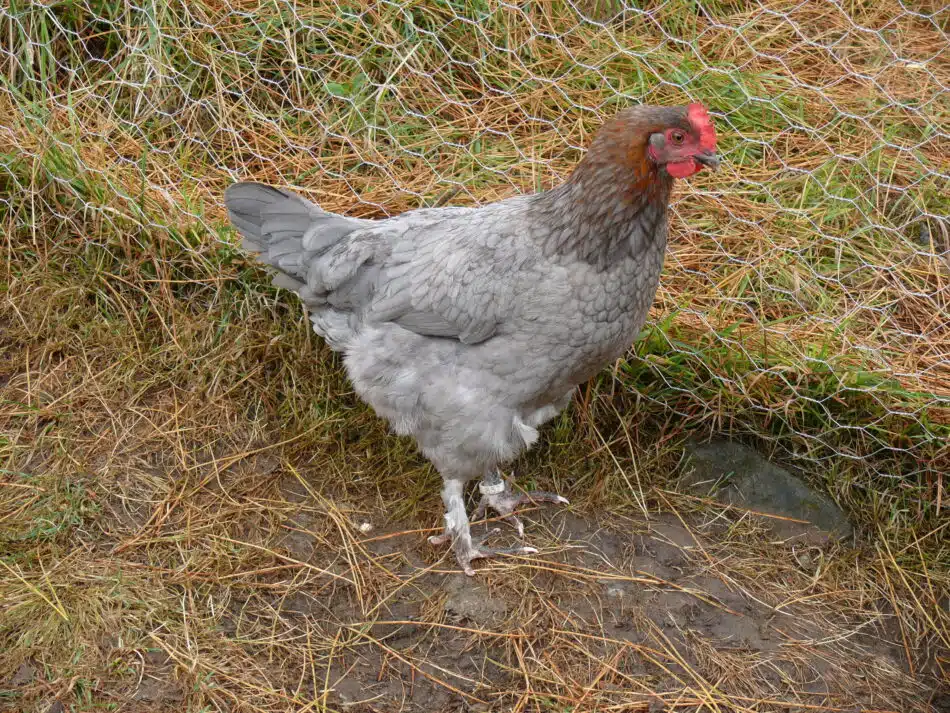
24, 674
736, 475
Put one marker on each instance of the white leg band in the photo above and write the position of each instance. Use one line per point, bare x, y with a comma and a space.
491, 488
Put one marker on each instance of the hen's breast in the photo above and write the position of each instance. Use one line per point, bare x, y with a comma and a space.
611, 308
574, 320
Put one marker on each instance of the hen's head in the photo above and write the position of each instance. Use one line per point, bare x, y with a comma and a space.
686, 145
646, 140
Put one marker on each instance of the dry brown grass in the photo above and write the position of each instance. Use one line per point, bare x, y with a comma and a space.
184, 469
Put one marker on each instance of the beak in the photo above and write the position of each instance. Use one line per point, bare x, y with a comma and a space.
708, 158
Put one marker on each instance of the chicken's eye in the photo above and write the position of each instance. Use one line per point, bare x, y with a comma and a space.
677, 137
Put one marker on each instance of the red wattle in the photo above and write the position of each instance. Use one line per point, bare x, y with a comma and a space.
682, 169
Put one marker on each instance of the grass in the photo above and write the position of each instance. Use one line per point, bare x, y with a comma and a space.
183, 467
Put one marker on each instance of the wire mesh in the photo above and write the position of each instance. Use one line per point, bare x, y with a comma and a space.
805, 298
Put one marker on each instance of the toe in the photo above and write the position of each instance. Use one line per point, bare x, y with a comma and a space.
479, 552
477, 542
542, 496
517, 550
516, 523
439, 540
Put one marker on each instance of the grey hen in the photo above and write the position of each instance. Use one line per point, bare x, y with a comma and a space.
467, 328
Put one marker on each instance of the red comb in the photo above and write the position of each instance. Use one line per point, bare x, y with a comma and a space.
702, 124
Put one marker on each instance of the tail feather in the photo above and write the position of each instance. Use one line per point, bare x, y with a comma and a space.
284, 229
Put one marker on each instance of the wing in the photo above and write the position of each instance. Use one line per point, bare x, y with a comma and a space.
454, 278
441, 272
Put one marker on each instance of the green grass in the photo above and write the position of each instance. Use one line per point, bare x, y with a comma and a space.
144, 361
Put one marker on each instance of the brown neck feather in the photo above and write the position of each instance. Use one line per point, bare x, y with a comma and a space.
615, 199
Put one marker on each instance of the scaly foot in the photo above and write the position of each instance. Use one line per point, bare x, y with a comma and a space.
468, 548
497, 495
500, 499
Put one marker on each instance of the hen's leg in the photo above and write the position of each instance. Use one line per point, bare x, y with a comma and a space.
497, 495
457, 530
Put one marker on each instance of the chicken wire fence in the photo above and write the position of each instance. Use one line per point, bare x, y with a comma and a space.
805, 297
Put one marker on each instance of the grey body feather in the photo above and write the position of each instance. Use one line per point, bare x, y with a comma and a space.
469, 327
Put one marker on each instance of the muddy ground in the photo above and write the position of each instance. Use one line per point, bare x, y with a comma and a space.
646, 613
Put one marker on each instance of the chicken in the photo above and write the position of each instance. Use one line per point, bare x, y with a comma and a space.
468, 328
